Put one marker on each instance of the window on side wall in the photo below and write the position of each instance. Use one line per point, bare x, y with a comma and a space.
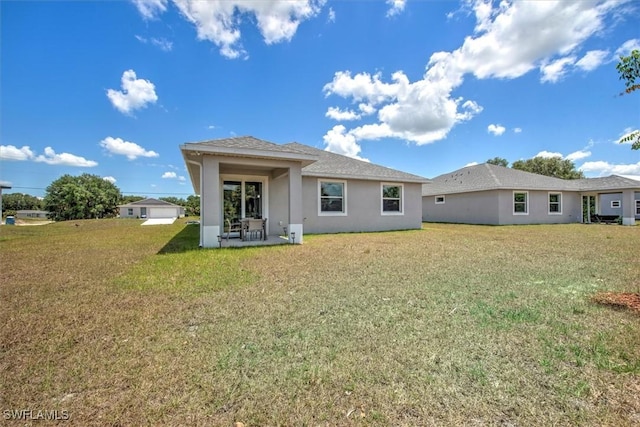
615, 204
333, 197
130, 211
637, 207
392, 199
439, 200
555, 203
521, 203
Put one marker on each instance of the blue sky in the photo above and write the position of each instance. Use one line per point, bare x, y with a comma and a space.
427, 87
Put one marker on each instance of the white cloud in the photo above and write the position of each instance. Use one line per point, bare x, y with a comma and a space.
219, 21
556, 70
331, 15
510, 40
109, 179
592, 59
627, 132
548, 154
578, 155
496, 130
51, 158
10, 152
602, 168
470, 164
169, 175
161, 43
135, 94
337, 114
338, 141
150, 9
517, 130
395, 7
125, 148
626, 48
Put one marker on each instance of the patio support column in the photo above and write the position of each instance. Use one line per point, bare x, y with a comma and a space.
210, 200
295, 204
628, 207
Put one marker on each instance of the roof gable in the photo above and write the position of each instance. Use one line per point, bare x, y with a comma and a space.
150, 203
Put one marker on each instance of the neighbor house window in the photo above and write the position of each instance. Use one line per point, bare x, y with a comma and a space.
521, 203
130, 211
392, 199
615, 203
439, 200
333, 197
555, 203
637, 207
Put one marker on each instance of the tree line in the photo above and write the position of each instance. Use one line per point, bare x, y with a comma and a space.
549, 166
84, 196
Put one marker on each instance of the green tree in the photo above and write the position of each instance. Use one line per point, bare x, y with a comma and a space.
81, 197
130, 199
192, 207
20, 201
549, 166
174, 200
629, 71
498, 161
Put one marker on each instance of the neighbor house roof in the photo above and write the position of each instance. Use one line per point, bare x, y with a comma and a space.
146, 203
492, 177
332, 165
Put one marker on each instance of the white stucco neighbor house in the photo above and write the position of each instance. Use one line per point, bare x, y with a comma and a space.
490, 194
151, 208
297, 187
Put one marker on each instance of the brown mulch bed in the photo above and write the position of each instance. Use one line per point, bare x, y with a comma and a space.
628, 300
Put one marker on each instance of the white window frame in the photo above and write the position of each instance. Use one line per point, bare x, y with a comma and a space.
526, 202
129, 211
637, 207
391, 184
559, 202
441, 202
615, 204
344, 197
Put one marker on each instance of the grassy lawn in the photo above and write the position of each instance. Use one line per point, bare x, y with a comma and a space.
119, 324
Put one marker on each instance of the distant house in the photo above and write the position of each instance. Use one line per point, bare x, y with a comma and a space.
297, 187
151, 208
490, 194
31, 214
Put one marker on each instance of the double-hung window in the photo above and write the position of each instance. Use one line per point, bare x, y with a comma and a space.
615, 204
555, 203
637, 207
521, 203
333, 197
392, 200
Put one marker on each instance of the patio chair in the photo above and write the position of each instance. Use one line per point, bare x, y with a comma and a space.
233, 228
253, 229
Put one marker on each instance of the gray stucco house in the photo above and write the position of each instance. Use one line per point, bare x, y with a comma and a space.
299, 187
490, 194
151, 208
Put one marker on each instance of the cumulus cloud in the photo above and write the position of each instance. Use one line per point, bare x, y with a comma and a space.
625, 134
50, 157
337, 114
109, 179
548, 154
173, 175
338, 141
10, 152
331, 15
602, 168
510, 39
395, 7
219, 21
576, 155
626, 48
592, 59
125, 148
150, 9
470, 164
517, 130
496, 130
135, 94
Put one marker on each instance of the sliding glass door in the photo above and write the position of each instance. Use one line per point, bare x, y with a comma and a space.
242, 199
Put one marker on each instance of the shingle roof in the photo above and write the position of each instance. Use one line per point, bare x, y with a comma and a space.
332, 165
244, 142
149, 202
492, 177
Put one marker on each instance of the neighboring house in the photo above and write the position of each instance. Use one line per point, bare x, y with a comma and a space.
31, 214
151, 208
297, 187
490, 194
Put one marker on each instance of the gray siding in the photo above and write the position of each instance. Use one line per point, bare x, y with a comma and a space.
605, 204
278, 205
364, 205
539, 209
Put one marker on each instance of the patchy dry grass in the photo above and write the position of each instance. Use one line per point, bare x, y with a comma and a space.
450, 325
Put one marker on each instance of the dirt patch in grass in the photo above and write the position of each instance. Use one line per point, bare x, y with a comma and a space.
630, 300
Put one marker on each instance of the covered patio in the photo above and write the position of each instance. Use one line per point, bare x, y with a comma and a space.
240, 178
